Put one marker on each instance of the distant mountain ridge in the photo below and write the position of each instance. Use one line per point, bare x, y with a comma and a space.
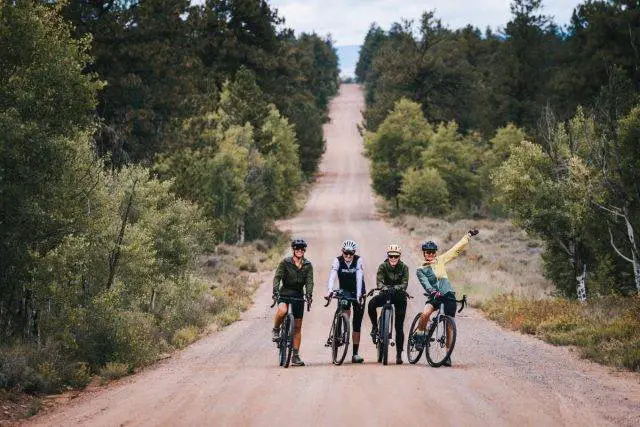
348, 57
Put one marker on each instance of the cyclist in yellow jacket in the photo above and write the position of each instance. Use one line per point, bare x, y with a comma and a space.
433, 278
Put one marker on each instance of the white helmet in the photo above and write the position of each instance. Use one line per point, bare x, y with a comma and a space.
394, 250
349, 245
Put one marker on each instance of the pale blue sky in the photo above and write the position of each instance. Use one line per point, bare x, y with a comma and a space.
348, 20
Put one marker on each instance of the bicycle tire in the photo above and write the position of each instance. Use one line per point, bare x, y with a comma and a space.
340, 339
289, 341
282, 342
413, 354
385, 336
436, 350
379, 338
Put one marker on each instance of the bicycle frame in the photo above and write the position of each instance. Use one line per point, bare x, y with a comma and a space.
285, 349
388, 306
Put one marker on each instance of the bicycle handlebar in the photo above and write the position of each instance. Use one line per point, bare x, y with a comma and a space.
391, 290
275, 300
462, 301
339, 295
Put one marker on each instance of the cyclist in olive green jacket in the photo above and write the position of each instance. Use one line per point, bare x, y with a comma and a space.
293, 278
433, 278
393, 275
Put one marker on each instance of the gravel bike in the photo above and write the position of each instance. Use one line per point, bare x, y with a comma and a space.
436, 339
384, 338
285, 338
339, 334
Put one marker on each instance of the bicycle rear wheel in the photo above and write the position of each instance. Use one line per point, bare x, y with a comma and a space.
436, 346
385, 336
340, 342
414, 351
286, 340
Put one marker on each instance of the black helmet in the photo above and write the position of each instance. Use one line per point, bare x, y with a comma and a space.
298, 243
429, 246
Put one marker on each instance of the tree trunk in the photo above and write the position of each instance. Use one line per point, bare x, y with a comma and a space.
115, 254
634, 250
581, 279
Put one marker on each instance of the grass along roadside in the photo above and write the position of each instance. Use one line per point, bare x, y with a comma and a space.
605, 330
501, 273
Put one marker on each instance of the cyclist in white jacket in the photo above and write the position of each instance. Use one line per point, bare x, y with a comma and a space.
348, 268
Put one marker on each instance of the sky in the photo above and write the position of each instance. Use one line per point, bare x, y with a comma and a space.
348, 20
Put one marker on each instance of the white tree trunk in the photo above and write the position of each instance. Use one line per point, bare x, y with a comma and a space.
581, 279
634, 250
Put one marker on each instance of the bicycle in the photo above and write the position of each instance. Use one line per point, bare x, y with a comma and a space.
339, 334
285, 339
385, 324
436, 337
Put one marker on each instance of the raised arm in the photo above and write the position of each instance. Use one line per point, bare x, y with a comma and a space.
456, 250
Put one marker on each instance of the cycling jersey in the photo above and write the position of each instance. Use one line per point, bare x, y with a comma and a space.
433, 276
350, 276
294, 280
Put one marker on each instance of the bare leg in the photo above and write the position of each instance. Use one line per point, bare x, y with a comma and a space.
280, 313
424, 317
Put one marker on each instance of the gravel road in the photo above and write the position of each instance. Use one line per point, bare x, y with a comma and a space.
498, 378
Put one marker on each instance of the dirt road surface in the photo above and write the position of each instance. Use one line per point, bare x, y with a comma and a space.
499, 378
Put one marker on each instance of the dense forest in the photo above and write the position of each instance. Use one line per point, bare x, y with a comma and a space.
534, 121
137, 135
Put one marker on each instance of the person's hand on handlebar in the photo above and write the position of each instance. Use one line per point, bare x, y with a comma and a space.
473, 232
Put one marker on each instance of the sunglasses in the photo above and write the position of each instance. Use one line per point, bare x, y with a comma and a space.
300, 249
394, 256
351, 253
430, 252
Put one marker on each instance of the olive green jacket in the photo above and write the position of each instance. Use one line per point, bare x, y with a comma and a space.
294, 280
396, 277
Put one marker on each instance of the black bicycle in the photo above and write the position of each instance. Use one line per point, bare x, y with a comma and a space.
384, 338
440, 338
339, 334
285, 338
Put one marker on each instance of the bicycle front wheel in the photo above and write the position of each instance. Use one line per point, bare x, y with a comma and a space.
441, 339
340, 342
414, 350
379, 337
386, 332
286, 341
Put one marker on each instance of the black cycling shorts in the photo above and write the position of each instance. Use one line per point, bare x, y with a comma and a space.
449, 301
297, 307
358, 313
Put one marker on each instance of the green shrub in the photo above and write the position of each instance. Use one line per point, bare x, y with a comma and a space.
115, 370
185, 336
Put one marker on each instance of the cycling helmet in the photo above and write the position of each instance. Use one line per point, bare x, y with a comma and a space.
349, 245
394, 249
298, 243
429, 246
